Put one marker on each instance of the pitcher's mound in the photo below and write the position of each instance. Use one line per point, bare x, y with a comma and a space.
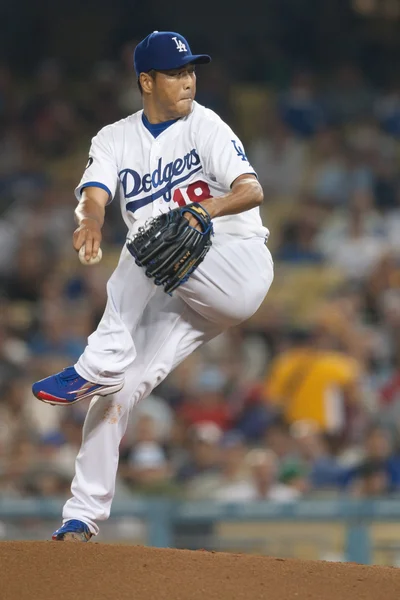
53, 570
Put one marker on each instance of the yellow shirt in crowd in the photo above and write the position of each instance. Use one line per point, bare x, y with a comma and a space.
309, 384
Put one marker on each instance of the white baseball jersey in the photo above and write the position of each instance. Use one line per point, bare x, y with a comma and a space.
195, 158
144, 333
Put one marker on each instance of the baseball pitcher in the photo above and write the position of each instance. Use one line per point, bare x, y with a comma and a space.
195, 262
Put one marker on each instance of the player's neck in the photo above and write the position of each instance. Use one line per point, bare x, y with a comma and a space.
156, 115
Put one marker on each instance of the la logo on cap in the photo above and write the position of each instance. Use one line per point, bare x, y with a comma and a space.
179, 45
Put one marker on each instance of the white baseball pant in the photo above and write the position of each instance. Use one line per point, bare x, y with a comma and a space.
143, 335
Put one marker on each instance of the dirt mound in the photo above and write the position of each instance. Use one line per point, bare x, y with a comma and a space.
48, 570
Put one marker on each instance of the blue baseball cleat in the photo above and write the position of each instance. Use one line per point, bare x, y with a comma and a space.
67, 387
72, 531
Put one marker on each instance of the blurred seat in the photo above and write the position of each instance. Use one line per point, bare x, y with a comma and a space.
248, 101
297, 292
275, 212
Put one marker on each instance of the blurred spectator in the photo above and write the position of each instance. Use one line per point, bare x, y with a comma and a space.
102, 108
14, 355
20, 458
313, 383
277, 156
299, 106
230, 483
264, 484
31, 267
349, 97
145, 467
207, 404
159, 414
335, 173
324, 472
390, 399
129, 98
392, 221
378, 473
214, 89
59, 448
14, 420
335, 225
387, 109
279, 439
49, 118
204, 456
255, 414
254, 417
371, 480
341, 318
45, 482
56, 335
357, 251
292, 470
9, 104
12, 150
298, 242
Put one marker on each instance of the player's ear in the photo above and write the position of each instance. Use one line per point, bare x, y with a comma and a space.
146, 81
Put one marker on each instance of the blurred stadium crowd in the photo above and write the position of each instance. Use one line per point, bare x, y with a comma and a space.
302, 399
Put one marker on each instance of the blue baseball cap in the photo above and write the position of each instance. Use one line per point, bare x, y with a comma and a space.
163, 51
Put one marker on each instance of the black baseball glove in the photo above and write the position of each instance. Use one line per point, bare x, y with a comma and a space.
170, 249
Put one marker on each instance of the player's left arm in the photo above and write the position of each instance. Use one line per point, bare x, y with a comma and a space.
246, 193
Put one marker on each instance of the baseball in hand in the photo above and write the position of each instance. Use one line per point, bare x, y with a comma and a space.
91, 261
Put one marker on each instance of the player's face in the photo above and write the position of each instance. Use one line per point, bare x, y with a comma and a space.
174, 91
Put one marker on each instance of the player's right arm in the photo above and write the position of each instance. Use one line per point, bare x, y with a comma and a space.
96, 189
89, 216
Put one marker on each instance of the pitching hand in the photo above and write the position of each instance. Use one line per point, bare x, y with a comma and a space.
88, 234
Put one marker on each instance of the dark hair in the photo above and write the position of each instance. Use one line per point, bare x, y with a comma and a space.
152, 74
300, 336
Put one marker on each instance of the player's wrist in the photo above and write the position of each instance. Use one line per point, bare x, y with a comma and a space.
210, 206
88, 221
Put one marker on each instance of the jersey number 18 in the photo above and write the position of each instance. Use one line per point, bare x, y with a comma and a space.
195, 192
